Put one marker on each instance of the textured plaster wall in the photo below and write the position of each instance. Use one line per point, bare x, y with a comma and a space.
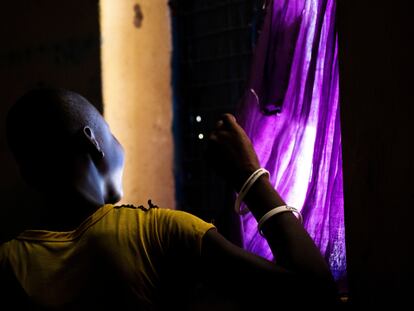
136, 52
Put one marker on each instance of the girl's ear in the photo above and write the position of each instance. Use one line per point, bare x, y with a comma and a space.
92, 144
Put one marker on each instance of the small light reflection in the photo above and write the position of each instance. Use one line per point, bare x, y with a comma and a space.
198, 119
200, 136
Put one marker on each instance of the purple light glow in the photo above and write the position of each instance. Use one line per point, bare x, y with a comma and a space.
295, 70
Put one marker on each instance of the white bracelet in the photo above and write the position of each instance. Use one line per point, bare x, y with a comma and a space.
275, 211
246, 187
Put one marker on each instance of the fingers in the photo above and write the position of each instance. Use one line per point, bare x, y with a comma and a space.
225, 127
219, 124
228, 118
219, 136
227, 121
226, 130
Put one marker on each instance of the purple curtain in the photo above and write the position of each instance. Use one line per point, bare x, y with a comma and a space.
295, 73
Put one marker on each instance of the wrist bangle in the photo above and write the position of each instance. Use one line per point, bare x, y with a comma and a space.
275, 211
246, 187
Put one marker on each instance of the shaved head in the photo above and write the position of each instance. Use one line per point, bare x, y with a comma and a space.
44, 118
60, 140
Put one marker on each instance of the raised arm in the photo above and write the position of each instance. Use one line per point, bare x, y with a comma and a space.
300, 274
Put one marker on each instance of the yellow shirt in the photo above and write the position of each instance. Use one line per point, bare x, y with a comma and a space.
119, 258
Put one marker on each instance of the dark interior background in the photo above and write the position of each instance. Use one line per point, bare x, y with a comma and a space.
48, 42
43, 43
377, 105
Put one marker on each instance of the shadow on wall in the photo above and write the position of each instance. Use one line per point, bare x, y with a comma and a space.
44, 43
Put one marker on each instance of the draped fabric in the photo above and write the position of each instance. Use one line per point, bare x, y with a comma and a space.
291, 113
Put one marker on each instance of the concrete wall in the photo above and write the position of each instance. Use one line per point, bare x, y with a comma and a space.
136, 65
